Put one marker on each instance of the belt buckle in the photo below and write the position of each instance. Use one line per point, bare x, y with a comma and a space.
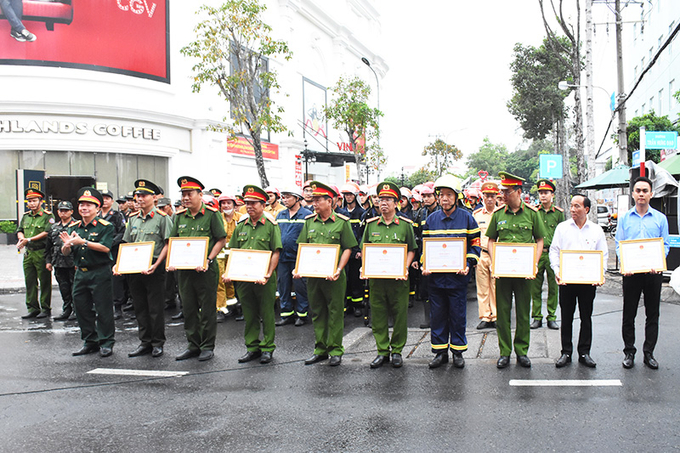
84, 269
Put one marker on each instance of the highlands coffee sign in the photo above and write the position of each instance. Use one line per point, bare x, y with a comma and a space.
64, 128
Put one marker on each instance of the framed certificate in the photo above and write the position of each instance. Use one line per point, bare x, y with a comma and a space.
317, 260
383, 260
248, 265
642, 255
134, 257
514, 260
444, 254
582, 266
187, 253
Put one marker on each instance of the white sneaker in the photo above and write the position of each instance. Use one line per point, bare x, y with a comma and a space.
28, 36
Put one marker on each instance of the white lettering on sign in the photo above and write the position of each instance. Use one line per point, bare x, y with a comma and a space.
137, 6
67, 127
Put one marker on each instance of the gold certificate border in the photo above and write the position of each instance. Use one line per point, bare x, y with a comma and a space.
382, 246
662, 249
316, 246
583, 252
126, 245
515, 245
447, 270
180, 240
245, 252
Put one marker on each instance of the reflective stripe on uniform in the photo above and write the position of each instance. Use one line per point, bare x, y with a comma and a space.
462, 231
440, 346
457, 348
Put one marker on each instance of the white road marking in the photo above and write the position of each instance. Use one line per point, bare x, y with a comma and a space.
566, 383
149, 373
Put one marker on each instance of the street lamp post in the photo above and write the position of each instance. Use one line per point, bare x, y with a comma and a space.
377, 82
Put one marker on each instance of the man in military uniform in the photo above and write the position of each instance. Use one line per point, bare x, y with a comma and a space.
514, 222
486, 284
429, 206
389, 297
62, 265
121, 292
326, 295
355, 287
257, 231
198, 287
147, 288
551, 216
32, 234
448, 290
90, 240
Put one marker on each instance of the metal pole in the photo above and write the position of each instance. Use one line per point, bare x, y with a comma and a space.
377, 82
623, 134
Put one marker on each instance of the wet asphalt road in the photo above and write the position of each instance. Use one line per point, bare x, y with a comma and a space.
49, 401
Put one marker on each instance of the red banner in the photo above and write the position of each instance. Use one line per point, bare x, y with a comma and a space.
298, 171
241, 146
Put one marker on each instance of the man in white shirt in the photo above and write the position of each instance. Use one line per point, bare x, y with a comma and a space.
577, 233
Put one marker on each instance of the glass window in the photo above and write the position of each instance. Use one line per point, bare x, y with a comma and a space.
57, 163
32, 160
82, 164
8, 182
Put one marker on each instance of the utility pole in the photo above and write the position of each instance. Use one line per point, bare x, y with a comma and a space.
623, 134
590, 119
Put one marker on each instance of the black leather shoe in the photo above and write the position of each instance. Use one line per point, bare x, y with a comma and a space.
178, 316
31, 314
266, 357
553, 325
563, 361
316, 358
141, 350
157, 351
424, 326
628, 361
285, 321
380, 361
44, 314
239, 318
72, 317
440, 359
397, 361
189, 353
105, 352
335, 360
220, 317
87, 349
492, 324
650, 361
483, 325
300, 322
206, 355
458, 360
586, 360
63, 316
503, 361
536, 324
523, 361
250, 355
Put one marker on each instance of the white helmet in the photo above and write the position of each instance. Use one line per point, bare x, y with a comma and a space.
293, 190
448, 181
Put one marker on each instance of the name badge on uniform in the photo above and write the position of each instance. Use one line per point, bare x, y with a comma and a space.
502, 222
181, 226
375, 234
243, 233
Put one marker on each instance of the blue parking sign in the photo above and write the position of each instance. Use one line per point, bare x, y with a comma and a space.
550, 166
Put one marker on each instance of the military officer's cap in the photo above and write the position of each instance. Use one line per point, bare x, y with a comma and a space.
65, 206
320, 189
508, 180
189, 183
489, 187
33, 193
252, 192
162, 202
216, 192
144, 187
389, 189
239, 199
130, 196
91, 195
121, 199
107, 193
178, 203
545, 184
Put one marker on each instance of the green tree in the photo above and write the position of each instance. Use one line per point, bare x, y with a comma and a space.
442, 155
420, 176
651, 122
350, 113
233, 46
490, 158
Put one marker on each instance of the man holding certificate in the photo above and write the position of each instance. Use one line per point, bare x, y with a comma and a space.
578, 233
448, 290
147, 288
257, 231
387, 296
516, 222
198, 286
641, 222
327, 295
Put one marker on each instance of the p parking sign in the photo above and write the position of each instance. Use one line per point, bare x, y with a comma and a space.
550, 166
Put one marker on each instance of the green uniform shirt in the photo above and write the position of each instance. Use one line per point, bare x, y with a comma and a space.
34, 224
550, 219
207, 223
263, 235
335, 229
100, 231
155, 227
399, 231
523, 226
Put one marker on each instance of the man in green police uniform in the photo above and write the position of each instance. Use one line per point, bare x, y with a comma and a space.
90, 241
257, 231
327, 295
389, 296
514, 222
147, 288
551, 216
198, 287
32, 234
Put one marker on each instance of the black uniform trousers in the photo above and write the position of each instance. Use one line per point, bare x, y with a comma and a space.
148, 300
64, 276
94, 305
633, 286
570, 296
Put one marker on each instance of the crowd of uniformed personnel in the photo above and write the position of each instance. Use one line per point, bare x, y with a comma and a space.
82, 254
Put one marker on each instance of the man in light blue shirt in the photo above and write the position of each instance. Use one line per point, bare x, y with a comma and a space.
642, 222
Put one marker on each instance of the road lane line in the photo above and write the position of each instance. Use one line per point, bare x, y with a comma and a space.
148, 373
566, 383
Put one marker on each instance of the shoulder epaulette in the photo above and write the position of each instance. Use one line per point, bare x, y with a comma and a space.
27, 212
74, 223
499, 208
531, 207
163, 213
342, 216
559, 209
243, 219
271, 218
477, 210
372, 219
211, 208
181, 211
104, 222
47, 212
310, 216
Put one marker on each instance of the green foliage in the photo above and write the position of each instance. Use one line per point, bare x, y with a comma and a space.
491, 158
442, 155
420, 176
651, 122
609, 164
8, 226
